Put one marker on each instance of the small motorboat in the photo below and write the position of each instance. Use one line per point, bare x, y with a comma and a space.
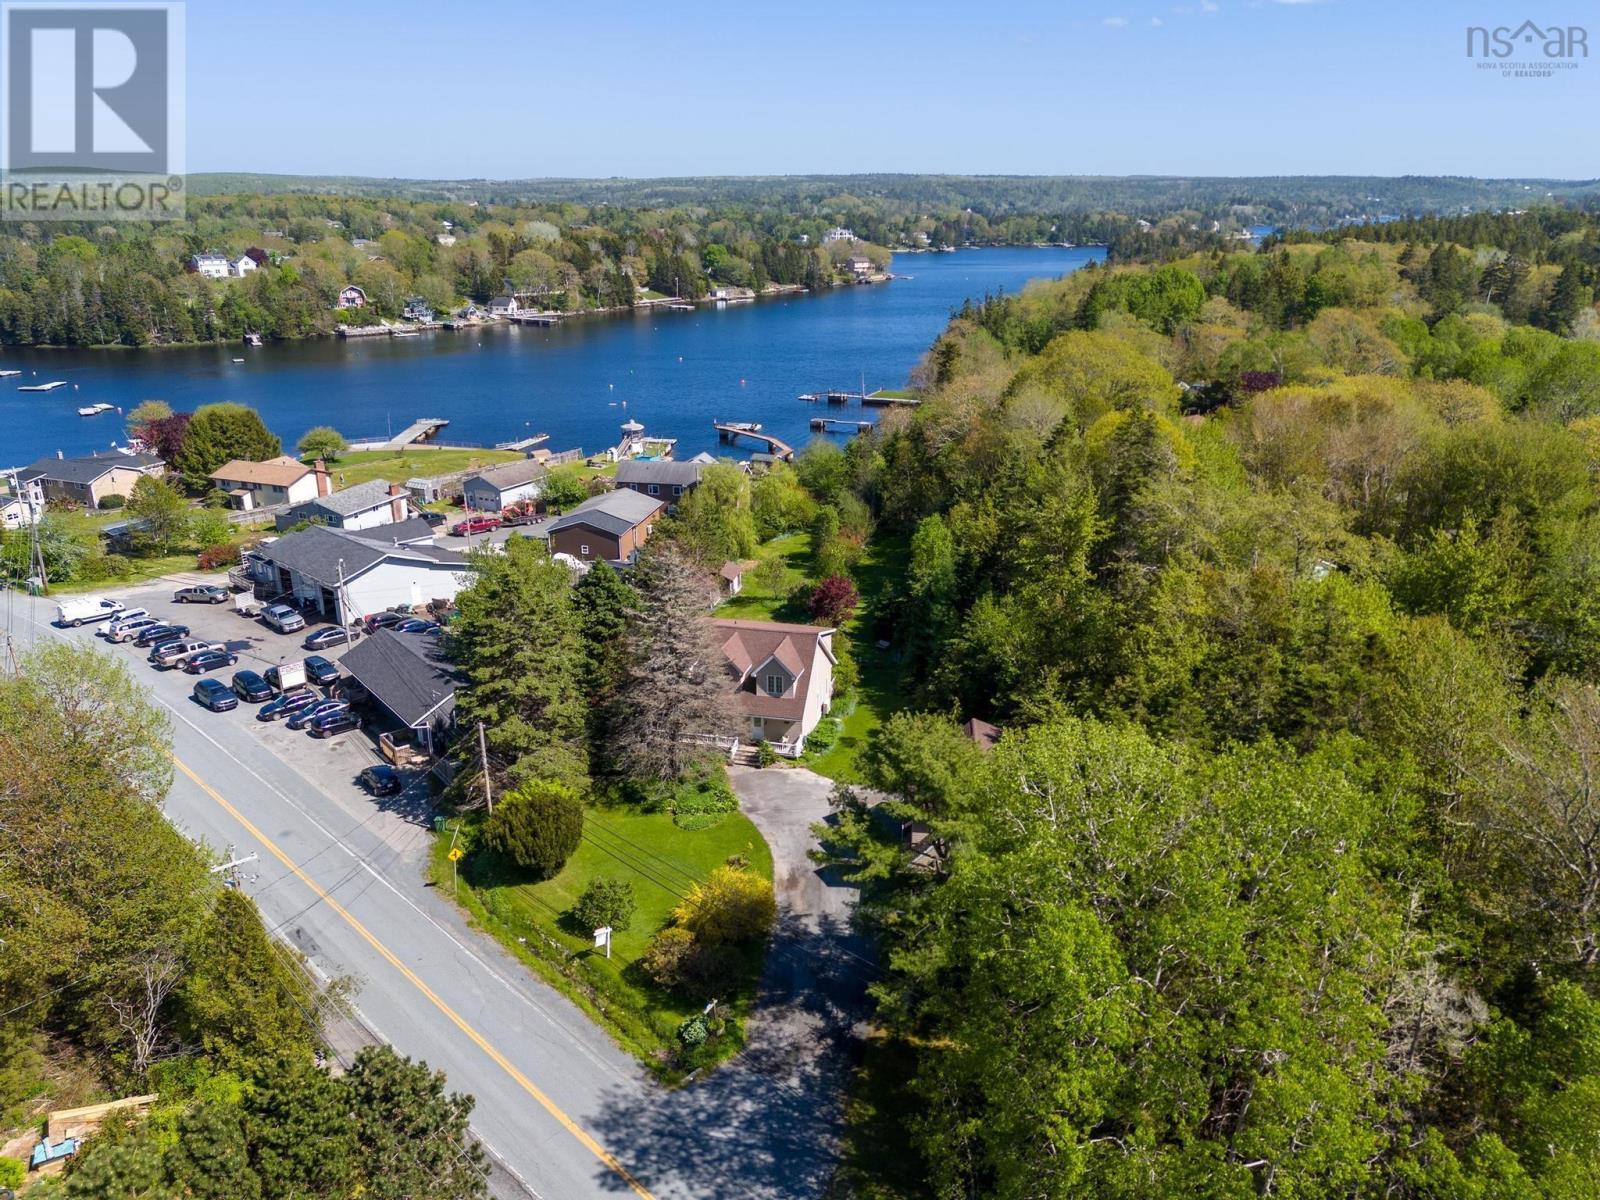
94, 410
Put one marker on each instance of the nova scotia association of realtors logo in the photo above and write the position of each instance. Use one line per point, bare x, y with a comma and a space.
92, 127
1529, 50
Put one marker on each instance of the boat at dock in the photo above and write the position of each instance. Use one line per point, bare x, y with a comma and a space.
43, 387
94, 410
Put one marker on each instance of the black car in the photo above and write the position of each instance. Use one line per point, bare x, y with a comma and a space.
247, 685
434, 519
383, 620
332, 635
214, 694
335, 723
157, 634
416, 625
311, 712
287, 704
321, 670
209, 660
201, 593
382, 780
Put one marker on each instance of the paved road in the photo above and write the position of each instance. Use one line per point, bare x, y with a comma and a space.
340, 877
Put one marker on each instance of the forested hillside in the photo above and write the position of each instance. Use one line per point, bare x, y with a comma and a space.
1278, 572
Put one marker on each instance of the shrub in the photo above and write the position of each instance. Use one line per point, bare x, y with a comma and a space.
728, 907
214, 558
537, 826
766, 754
112, 501
12, 1171
605, 902
712, 973
693, 1030
702, 803
770, 576
667, 956
834, 600
116, 566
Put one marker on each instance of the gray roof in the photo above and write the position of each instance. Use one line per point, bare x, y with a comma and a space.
614, 512
659, 471
508, 475
353, 499
316, 553
86, 468
407, 673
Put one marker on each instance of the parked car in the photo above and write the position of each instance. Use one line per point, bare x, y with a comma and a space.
287, 704
283, 618
382, 780
215, 695
415, 625
201, 593
126, 615
82, 609
383, 620
435, 519
311, 712
320, 670
474, 525
209, 660
247, 685
170, 654
154, 635
334, 723
331, 635
126, 631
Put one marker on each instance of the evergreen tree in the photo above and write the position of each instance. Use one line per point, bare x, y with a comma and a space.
220, 433
412, 1133
674, 689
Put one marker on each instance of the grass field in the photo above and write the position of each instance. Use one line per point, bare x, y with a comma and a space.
755, 603
661, 861
85, 527
359, 466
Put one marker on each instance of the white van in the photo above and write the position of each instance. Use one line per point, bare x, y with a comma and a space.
82, 609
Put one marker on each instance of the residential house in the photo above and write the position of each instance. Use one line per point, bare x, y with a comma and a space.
838, 234
981, 732
351, 297
364, 506
504, 306
781, 677
612, 527
500, 487
90, 478
15, 512
409, 676
281, 480
662, 478
860, 266
242, 266
346, 576
417, 309
212, 266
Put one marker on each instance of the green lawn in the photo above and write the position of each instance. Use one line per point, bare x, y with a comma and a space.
359, 466
755, 603
660, 860
894, 394
86, 527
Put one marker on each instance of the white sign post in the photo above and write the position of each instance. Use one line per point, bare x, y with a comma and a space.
602, 937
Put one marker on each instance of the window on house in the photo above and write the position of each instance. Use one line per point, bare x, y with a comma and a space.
654, 490
677, 489
775, 685
583, 549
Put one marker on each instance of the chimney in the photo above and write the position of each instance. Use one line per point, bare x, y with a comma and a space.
397, 502
321, 469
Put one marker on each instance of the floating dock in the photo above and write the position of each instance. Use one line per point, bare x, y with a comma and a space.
43, 387
424, 429
839, 425
729, 431
523, 445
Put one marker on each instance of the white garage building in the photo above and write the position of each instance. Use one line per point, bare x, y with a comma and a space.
346, 576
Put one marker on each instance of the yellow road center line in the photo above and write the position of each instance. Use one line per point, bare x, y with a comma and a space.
500, 1060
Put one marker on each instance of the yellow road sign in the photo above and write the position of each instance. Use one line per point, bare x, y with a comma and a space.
456, 854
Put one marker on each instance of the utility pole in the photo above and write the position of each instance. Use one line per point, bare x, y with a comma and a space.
483, 754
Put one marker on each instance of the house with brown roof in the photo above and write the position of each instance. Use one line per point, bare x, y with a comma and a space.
282, 480
612, 526
781, 677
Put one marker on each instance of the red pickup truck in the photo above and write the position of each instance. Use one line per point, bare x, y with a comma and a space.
474, 525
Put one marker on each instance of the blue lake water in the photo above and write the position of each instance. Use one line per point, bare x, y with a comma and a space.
674, 372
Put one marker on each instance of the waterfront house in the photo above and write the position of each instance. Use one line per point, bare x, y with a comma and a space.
500, 487
612, 527
242, 266
417, 310
838, 234
662, 478
281, 480
89, 479
15, 513
346, 576
351, 297
364, 506
504, 306
211, 266
859, 265
408, 675
781, 677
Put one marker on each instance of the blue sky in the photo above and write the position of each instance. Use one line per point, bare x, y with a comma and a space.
1215, 87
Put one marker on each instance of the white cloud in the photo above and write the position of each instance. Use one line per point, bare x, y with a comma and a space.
1210, 6
1114, 22
1156, 22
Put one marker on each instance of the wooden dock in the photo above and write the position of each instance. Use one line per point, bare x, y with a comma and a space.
524, 444
839, 425
545, 319
424, 429
728, 431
